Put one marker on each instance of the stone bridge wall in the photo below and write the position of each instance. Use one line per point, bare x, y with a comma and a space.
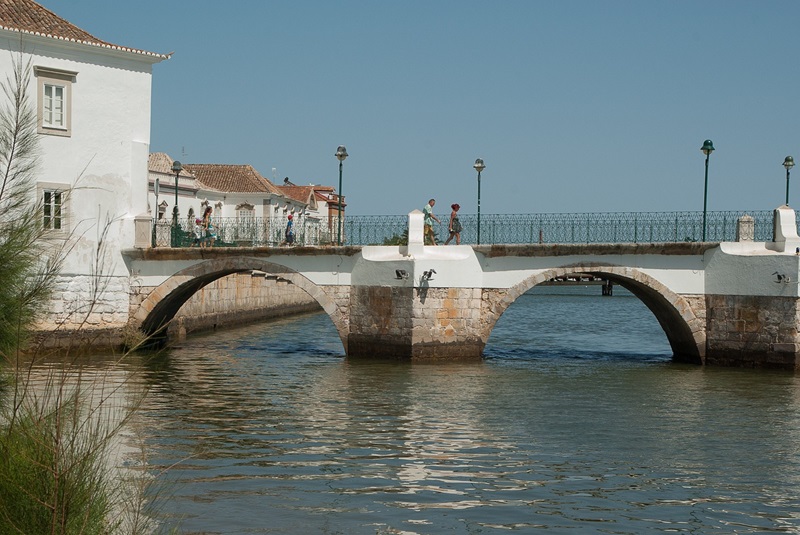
417, 323
753, 331
238, 299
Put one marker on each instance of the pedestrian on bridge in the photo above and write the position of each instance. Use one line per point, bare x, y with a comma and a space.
199, 233
428, 224
455, 225
210, 231
289, 231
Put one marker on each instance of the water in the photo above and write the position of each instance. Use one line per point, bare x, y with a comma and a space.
577, 421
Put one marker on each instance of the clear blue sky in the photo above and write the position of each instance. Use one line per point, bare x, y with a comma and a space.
575, 106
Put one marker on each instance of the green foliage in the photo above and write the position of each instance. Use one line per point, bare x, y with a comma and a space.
58, 425
53, 474
396, 239
27, 267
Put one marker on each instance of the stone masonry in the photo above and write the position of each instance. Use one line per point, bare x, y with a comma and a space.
240, 298
416, 323
752, 331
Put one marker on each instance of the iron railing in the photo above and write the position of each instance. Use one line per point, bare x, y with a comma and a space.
615, 227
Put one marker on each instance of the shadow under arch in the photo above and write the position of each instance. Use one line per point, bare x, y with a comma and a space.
684, 330
163, 302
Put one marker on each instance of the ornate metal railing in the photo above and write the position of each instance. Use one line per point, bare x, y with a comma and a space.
615, 227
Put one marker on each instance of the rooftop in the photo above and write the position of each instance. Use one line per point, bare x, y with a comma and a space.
231, 178
160, 162
26, 16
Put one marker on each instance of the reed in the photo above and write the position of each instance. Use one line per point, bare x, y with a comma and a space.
60, 422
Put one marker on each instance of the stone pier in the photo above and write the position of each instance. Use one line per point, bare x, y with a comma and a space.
419, 323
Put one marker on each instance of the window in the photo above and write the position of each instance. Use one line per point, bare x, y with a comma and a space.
53, 217
245, 223
53, 115
54, 101
54, 207
53, 200
245, 213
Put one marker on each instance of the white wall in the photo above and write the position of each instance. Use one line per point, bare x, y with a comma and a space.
104, 158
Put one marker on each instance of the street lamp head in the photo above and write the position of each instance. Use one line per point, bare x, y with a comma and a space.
788, 163
479, 165
177, 167
708, 147
341, 153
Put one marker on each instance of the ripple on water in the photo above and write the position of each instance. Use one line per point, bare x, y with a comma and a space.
576, 422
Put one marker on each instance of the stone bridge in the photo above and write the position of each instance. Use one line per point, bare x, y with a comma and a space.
731, 303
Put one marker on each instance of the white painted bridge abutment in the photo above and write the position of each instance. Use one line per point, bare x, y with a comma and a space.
733, 303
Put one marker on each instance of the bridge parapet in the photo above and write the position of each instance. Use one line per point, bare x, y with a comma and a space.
718, 302
785, 230
552, 228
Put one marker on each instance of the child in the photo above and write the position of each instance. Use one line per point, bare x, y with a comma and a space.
289, 231
199, 233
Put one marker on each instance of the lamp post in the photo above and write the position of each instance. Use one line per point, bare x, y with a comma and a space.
788, 163
156, 187
154, 240
176, 168
341, 154
707, 149
479, 166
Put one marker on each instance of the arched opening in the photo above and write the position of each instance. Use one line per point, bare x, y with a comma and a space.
162, 304
684, 331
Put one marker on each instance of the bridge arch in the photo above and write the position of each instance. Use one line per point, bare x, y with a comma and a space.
685, 332
162, 303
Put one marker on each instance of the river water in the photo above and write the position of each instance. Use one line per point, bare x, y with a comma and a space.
576, 421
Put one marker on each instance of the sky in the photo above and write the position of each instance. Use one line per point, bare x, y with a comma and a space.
574, 105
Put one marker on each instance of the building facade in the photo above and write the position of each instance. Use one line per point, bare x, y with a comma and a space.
247, 208
325, 208
92, 102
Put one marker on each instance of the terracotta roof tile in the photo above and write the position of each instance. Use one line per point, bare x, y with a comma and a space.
160, 162
231, 178
299, 193
26, 16
323, 193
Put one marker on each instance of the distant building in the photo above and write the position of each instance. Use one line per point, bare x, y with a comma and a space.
248, 209
92, 103
322, 204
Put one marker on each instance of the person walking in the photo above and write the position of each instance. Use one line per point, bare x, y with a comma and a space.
199, 233
455, 225
429, 219
289, 230
208, 226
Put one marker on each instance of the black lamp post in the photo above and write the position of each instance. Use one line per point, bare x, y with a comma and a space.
788, 163
156, 213
479, 166
341, 154
708, 148
176, 168
156, 187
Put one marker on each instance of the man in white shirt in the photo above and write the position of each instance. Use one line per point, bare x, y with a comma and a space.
429, 218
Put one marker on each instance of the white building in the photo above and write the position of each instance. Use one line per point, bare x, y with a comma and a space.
248, 209
324, 207
93, 112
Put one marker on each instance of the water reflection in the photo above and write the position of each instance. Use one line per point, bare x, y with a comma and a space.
323, 443
275, 432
